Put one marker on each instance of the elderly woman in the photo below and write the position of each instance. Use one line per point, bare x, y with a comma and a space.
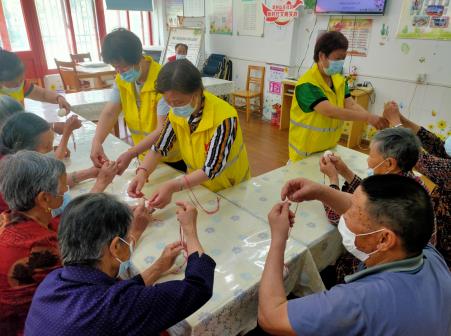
96, 242
32, 186
10, 106
435, 163
392, 151
323, 101
31, 132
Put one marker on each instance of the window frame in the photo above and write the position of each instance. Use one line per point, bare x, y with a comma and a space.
33, 30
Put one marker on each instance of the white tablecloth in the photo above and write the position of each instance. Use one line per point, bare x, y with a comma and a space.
236, 239
312, 226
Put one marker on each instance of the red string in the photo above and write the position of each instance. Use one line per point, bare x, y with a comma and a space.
196, 202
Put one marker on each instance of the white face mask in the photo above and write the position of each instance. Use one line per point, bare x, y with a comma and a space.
349, 240
179, 56
370, 171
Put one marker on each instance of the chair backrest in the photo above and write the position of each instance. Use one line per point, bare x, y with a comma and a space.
68, 74
214, 66
255, 78
78, 58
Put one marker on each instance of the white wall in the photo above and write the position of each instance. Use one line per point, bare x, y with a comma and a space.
391, 72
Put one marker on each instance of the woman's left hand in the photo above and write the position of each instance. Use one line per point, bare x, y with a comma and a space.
162, 196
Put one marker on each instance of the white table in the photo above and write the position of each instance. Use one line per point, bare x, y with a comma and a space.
219, 87
312, 226
89, 104
237, 240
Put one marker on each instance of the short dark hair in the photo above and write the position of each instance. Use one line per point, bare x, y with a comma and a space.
329, 42
121, 45
401, 204
181, 45
21, 131
8, 107
181, 76
11, 66
88, 224
401, 144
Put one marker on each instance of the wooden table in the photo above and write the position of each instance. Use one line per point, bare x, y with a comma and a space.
86, 72
355, 128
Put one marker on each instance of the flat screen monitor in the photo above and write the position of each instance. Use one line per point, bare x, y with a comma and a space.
137, 5
350, 7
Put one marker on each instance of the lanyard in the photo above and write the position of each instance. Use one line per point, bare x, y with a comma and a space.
196, 202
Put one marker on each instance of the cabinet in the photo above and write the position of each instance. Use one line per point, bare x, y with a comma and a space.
356, 128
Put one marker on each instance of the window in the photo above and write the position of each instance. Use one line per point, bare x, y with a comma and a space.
63, 34
136, 21
12, 26
114, 19
54, 30
85, 27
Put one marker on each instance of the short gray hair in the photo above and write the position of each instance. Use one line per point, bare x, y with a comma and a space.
25, 174
399, 143
89, 223
8, 107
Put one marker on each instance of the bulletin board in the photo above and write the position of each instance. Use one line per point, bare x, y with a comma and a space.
422, 19
192, 37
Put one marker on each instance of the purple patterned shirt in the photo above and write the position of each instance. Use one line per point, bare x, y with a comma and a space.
82, 300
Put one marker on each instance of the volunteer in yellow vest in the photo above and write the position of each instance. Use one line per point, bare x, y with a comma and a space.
12, 83
208, 131
134, 94
323, 101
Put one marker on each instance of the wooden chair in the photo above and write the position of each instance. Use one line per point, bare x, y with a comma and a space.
255, 85
78, 58
69, 76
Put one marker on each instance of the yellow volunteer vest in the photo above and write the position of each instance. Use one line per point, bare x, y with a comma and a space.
194, 147
19, 95
312, 132
142, 121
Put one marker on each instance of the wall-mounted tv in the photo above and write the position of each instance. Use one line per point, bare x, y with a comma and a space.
350, 7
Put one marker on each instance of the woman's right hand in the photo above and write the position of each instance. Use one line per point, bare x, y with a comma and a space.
98, 156
187, 217
339, 164
168, 256
136, 185
327, 167
71, 124
123, 161
392, 113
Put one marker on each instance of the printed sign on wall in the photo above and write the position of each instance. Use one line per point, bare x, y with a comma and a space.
281, 12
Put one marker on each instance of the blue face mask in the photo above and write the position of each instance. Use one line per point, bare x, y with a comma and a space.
126, 269
335, 67
131, 75
448, 145
66, 199
183, 111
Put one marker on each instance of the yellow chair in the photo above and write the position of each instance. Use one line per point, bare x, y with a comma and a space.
255, 85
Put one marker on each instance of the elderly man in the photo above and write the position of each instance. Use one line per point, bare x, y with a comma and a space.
84, 298
404, 287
